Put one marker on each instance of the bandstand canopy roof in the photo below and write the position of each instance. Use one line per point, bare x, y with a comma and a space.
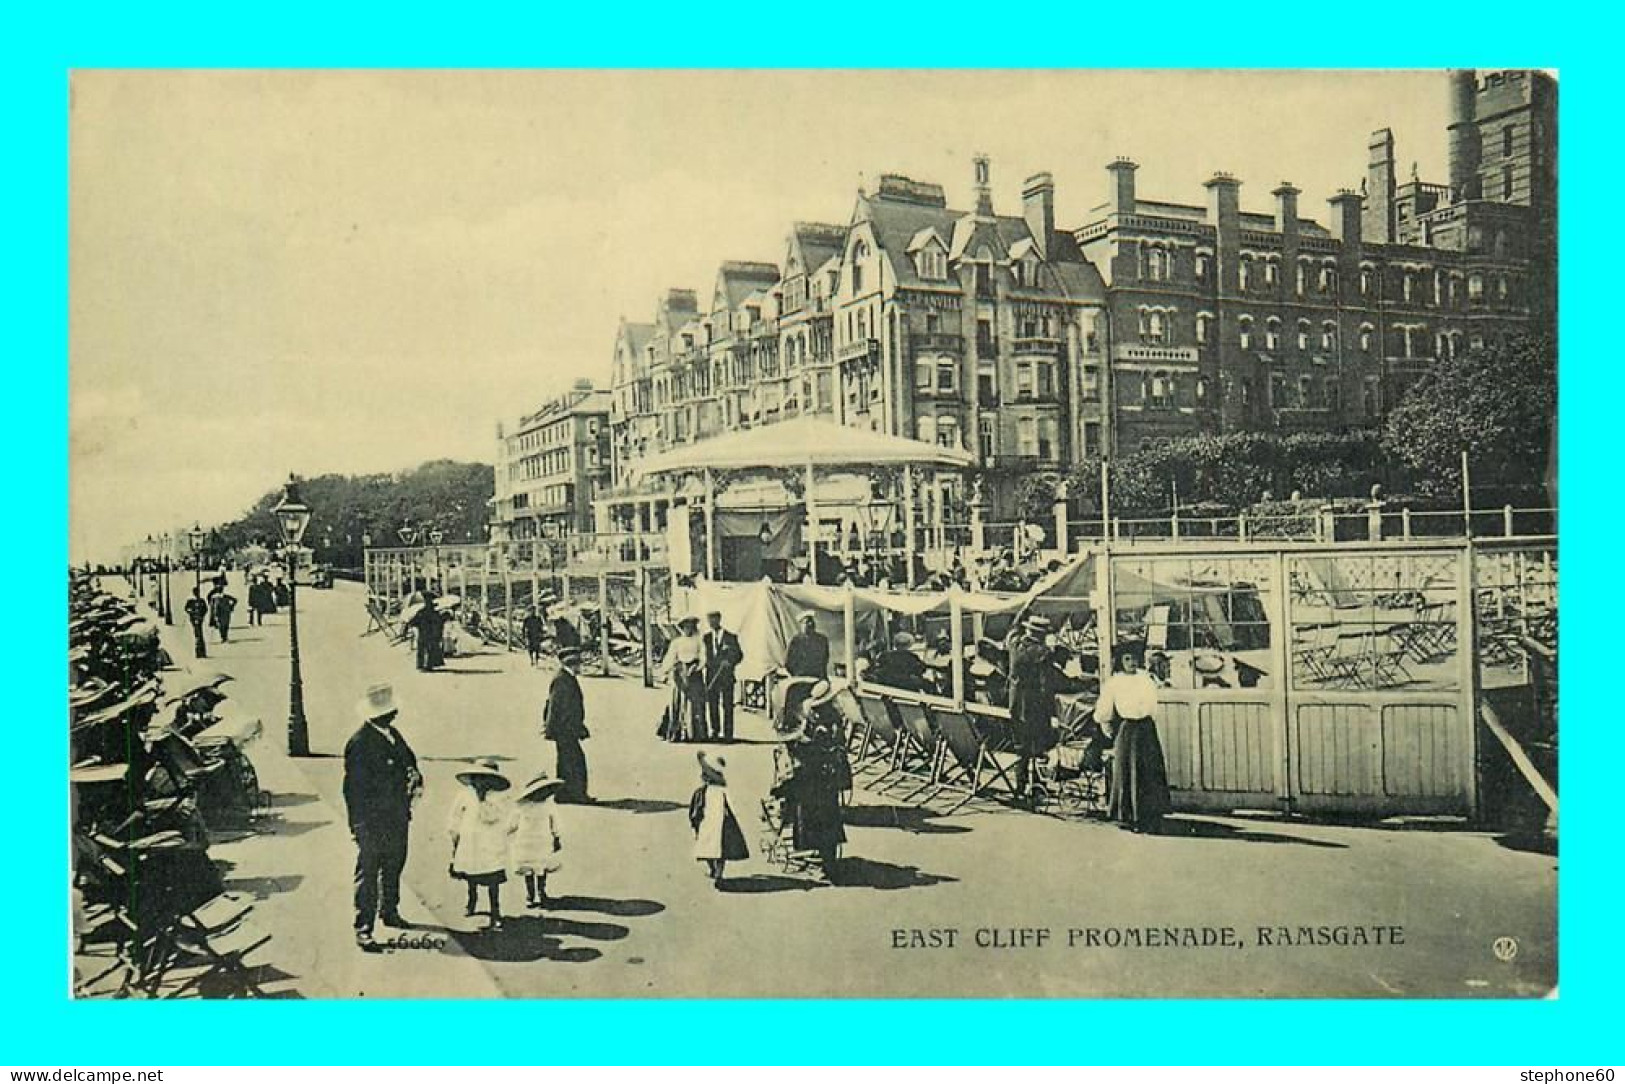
800, 442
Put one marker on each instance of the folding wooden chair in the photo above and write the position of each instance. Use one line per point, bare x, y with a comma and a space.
920, 749
378, 620
215, 940
881, 742
970, 763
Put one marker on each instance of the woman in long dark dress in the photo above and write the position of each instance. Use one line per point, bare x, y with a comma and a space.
1139, 790
819, 773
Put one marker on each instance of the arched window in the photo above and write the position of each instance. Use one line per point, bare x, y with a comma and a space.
1204, 267
1475, 287
860, 252
1368, 281
1272, 334
1367, 334
1407, 284
1328, 278
1303, 335
1272, 272
1244, 327
1201, 391
1502, 290
1204, 328
1301, 279
1158, 327
1328, 336
1246, 267
1162, 389
948, 431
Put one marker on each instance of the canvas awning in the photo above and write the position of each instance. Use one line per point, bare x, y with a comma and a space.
801, 442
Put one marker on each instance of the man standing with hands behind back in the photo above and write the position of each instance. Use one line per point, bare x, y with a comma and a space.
722, 655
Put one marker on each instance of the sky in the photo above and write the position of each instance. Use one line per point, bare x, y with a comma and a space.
325, 271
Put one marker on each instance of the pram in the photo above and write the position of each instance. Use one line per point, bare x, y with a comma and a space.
1074, 777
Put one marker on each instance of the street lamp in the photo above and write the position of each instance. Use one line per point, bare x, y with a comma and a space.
293, 516
435, 537
195, 536
167, 595
408, 535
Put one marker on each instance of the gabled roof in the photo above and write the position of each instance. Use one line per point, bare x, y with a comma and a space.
737, 279
925, 237
813, 243
636, 336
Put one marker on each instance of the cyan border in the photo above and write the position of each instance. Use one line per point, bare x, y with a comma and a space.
42, 1027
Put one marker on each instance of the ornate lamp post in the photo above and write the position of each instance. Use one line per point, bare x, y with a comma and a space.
435, 538
293, 516
195, 537
167, 595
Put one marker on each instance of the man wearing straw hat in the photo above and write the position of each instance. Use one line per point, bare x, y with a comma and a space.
1032, 699
564, 723
381, 782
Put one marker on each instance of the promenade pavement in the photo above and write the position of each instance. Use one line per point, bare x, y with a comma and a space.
636, 916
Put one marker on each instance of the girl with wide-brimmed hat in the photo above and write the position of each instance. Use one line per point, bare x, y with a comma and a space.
479, 827
718, 839
536, 847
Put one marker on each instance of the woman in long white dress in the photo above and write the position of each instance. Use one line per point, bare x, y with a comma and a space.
685, 667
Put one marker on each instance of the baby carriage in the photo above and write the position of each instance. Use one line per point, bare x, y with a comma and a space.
1074, 777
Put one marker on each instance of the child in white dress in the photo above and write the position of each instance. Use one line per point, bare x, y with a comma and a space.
479, 827
535, 846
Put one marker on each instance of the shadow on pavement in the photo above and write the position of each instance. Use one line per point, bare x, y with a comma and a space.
463, 670
619, 908
522, 940
1529, 842
908, 818
264, 887
279, 826
592, 931
764, 882
287, 801
869, 873
1187, 828
476, 758
641, 805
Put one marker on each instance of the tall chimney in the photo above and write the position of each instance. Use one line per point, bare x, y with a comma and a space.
1465, 152
1038, 208
984, 186
1122, 171
1379, 196
1224, 215
1345, 225
1286, 224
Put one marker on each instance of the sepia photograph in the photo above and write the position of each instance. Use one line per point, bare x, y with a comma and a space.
722, 534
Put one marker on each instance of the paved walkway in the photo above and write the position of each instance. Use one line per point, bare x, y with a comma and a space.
637, 917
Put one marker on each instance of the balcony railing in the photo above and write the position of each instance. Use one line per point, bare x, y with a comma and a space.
855, 350
1182, 355
939, 340
1022, 462
1036, 344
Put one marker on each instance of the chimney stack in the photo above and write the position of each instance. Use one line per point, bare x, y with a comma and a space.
1038, 207
1122, 171
984, 186
1379, 197
1286, 208
1224, 215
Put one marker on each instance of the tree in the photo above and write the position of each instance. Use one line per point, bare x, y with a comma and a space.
441, 494
1499, 404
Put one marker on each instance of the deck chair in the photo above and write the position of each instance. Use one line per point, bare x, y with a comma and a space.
880, 742
215, 941
969, 763
1311, 653
920, 752
378, 620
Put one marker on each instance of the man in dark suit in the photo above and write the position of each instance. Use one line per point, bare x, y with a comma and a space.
808, 654
1032, 698
197, 611
722, 655
381, 781
564, 723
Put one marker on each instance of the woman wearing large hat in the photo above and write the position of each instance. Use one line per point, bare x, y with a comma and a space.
819, 773
685, 665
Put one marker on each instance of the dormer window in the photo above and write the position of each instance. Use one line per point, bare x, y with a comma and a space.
860, 252
931, 263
